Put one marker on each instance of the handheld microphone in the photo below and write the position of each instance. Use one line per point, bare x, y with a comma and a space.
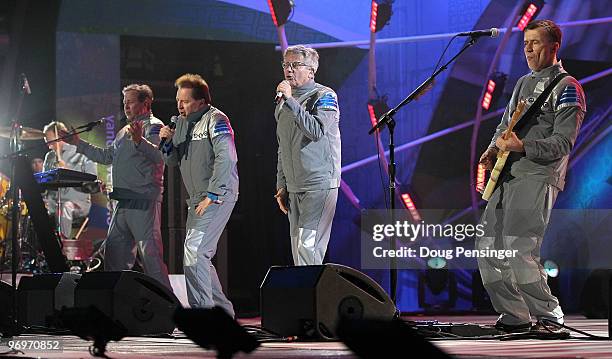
172, 126
492, 32
279, 96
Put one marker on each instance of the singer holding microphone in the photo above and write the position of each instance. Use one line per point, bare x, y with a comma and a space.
138, 182
202, 145
308, 170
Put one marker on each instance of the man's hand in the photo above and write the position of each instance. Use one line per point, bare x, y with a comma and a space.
285, 88
135, 130
201, 207
513, 143
281, 197
166, 132
72, 139
487, 159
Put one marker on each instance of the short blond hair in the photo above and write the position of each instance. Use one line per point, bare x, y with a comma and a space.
55, 126
310, 55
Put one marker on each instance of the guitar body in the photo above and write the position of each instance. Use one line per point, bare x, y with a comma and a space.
502, 156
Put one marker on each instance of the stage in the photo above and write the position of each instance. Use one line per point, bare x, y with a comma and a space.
181, 347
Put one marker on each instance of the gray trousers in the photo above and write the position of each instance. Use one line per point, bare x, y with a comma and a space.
310, 220
133, 230
516, 218
203, 232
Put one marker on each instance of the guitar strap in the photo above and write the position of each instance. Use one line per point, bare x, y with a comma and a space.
527, 121
537, 105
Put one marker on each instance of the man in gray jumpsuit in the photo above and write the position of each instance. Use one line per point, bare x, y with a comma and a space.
70, 203
138, 182
203, 147
519, 209
308, 170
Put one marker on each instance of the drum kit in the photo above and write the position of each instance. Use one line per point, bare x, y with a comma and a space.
30, 254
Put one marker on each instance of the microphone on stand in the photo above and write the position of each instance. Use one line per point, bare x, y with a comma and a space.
89, 126
492, 32
172, 126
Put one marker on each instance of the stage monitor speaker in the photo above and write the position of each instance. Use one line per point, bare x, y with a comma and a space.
596, 295
6, 309
138, 302
41, 295
309, 301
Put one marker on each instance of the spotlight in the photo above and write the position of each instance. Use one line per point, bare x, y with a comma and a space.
91, 324
410, 207
280, 11
436, 263
380, 14
480, 178
495, 87
366, 337
377, 107
437, 288
551, 268
530, 12
215, 329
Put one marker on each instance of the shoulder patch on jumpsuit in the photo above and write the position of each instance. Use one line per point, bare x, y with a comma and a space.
221, 126
327, 102
570, 95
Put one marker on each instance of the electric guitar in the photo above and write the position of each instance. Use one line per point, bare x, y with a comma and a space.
502, 156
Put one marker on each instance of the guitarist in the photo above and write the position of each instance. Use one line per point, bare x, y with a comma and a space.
519, 209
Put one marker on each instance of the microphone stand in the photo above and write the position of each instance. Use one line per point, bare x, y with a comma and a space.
15, 144
387, 120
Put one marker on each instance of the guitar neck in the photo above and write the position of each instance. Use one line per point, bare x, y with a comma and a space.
515, 117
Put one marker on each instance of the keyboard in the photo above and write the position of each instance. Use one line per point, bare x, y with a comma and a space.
64, 178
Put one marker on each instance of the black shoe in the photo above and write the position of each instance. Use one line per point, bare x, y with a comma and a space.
551, 331
508, 328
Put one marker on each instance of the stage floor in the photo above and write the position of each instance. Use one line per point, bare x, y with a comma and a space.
142, 347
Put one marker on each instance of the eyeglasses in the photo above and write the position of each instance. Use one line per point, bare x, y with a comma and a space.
293, 65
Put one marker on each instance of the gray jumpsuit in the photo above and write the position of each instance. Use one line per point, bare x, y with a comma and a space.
74, 203
138, 182
518, 212
308, 133
203, 147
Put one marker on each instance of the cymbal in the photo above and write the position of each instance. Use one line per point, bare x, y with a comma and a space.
27, 133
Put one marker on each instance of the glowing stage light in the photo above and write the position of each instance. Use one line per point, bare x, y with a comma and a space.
495, 86
380, 14
377, 107
532, 9
409, 204
280, 11
551, 268
480, 178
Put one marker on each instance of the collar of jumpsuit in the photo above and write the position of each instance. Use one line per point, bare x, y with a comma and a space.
299, 91
548, 71
196, 116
